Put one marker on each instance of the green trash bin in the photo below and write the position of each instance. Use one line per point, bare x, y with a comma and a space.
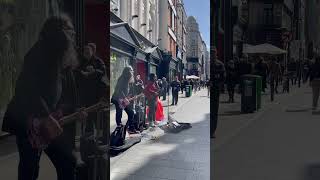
188, 91
251, 93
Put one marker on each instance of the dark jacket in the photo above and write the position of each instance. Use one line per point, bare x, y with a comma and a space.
39, 79
231, 75
219, 74
122, 89
92, 87
315, 71
175, 85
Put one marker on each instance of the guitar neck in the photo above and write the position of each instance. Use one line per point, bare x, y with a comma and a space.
74, 116
130, 99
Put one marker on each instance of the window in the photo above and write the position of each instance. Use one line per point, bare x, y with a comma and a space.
268, 14
117, 63
172, 20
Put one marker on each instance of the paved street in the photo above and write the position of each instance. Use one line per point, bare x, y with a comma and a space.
183, 156
278, 143
171, 150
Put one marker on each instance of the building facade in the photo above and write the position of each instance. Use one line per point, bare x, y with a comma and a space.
312, 23
141, 15
181, 37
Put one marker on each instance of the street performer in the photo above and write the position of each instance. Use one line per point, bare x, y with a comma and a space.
45, 92
123, 89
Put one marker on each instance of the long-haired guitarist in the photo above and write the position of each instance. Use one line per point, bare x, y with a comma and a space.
45, 92
120, 98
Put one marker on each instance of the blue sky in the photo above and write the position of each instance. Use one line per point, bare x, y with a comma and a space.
200, 9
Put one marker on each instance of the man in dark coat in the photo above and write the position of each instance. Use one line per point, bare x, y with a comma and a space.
175, 85
218, 79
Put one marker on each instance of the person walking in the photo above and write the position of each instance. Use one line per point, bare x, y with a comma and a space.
315, 82
208, 87
175, 85
218, 74
261, 69
231, 80
164, 88
275, 72
244, 68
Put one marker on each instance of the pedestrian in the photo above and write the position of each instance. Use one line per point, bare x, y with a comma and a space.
208, 87
244, 68
231, 80
159, 82
192, 84
164, 88
45, 92
219, 74
315, 82
152, 92
261, 69
175, 85
275, 72
139, 86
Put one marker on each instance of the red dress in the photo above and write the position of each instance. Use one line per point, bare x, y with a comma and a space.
159, 111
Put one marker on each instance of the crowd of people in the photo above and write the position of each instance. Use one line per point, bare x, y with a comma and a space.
272, 71
129, 90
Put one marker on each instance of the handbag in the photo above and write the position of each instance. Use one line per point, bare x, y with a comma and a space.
118, 136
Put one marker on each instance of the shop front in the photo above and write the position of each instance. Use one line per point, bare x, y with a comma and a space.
124, 47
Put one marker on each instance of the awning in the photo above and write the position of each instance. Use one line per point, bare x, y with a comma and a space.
192, 77
263, 49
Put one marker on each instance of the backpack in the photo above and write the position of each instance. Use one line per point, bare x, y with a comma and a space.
118, 136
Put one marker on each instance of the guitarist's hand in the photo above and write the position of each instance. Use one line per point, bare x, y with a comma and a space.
51, 128
82, 116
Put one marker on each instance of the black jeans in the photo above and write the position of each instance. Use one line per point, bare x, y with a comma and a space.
119, 111
230, 87
59, 152
164, 94
175, 97
215, 108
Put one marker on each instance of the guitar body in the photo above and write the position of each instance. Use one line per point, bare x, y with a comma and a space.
123, 103
37, 135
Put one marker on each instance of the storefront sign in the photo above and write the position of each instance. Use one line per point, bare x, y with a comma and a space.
113, 58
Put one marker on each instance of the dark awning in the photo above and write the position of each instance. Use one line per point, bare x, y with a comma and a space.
124, 32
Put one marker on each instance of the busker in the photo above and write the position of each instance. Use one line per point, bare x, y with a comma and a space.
45, 92
91, 84
151, 92
120, 97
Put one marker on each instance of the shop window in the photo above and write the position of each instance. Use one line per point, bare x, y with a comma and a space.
117, 64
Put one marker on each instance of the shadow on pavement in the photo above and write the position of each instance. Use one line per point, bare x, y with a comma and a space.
312, 172
298, 110
184, 155
230, 113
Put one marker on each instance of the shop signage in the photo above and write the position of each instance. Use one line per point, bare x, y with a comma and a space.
113, 58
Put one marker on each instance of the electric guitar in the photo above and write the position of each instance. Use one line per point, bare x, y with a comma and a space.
39, 139
124, 102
